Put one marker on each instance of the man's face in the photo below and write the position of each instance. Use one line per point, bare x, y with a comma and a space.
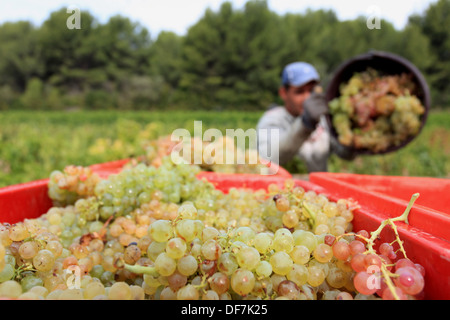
294, 97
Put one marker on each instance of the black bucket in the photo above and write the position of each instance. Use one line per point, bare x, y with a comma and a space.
387, 64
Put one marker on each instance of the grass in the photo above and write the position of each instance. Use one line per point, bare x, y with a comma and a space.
33, 144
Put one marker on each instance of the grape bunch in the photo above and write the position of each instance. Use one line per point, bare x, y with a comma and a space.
132, 187
375, 112
279, 243
220, 155
72, 183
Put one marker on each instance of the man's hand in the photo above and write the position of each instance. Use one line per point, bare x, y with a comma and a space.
313, 108
343, 152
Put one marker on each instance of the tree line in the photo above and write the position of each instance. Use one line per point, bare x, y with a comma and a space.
231, 58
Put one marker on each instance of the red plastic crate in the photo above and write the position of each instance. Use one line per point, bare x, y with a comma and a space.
281, 173
389, 195
432, 190
426, 237
116, 166
107, 168
24, 201
424, 248
30, 200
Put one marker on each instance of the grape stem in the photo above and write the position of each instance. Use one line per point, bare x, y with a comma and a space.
312, 215
376, 234
142, 269
404, 217
26, 267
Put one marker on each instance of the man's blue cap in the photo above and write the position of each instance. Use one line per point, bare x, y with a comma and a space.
299, 73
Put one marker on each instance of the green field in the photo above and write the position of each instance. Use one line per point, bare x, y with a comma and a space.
33, 144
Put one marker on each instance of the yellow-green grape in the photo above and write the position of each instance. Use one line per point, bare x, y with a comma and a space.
245, 234
188, 292
323, 253
2, 257
298, 274
120, 291
10, 289
29, 249
290, 219
44, 260
242, 281
187, 265
300, 254
187, 211
155, 248
283, 240
305, 238
151, 281
248, 258
209, 233
322, 229
165, 265
281, 263
264, 269
7, 272
161, 230
330, 209
94, 289
263, 242
282, 203
18, 232
176, 248
337, 278
187, 229
316, 276
227, 263
211, 250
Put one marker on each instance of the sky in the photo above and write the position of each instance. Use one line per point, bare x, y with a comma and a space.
178, 15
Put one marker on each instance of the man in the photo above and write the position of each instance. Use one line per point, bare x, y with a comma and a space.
303, 129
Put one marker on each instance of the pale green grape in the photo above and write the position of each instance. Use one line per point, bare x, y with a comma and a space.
305, 238
188, 292
44, 260
161, 230
30, 281
300, 254
120, 291
245, 234
242, 281
211, 250
281, 263
7, 273
176, 248
10, 289
187, 211
264, 269
298, 274
187, 229
283, 240
248, 258
262, 242
187, 265
227, 263
165, 265
155, 248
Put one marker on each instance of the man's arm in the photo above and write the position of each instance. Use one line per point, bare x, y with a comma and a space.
291, 136
341, 151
